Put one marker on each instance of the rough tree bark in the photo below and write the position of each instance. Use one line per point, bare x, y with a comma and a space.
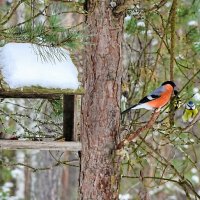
101, 103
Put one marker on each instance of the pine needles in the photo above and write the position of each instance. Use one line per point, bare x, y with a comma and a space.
41, 26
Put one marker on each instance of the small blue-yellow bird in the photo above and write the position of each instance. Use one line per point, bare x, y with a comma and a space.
190, 112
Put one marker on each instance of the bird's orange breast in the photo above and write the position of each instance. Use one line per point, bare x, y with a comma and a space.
164, 99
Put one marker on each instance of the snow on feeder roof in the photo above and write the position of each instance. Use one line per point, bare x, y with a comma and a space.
22, 66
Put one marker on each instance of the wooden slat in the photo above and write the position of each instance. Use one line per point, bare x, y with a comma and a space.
68, 117
30, 96
34, 91
40, 145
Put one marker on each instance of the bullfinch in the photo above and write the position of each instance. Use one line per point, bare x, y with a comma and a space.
157, 99
190, 112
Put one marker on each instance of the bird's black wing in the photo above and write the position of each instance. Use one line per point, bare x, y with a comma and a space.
154, 95
149, 98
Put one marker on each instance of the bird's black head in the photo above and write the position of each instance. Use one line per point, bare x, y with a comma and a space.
169, 82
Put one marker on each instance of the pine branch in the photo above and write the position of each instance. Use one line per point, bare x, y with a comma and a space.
50, 33
46, 36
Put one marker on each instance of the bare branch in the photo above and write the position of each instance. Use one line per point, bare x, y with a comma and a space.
11, 12
157, 6
134, 134
128, 3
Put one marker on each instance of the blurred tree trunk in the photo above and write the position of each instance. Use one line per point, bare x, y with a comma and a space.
46, 184
58, 183
101, 103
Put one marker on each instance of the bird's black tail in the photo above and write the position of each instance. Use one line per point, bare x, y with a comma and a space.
128, 109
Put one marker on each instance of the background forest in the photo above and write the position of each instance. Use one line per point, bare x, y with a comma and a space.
161, 41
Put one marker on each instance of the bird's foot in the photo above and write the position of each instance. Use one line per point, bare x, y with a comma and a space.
157, 110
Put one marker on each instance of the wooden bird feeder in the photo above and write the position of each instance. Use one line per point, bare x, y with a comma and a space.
68, 96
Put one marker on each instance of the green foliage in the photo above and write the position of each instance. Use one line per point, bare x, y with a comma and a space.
196, 46
57, 107
4, 195
131, 26
5, 175
193, 35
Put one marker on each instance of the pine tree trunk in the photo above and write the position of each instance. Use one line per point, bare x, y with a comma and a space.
99, 178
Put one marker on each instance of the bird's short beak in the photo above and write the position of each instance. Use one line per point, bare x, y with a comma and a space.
175, 92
